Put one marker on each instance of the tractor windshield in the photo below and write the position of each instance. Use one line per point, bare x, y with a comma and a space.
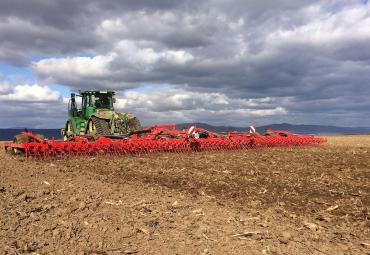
102, 100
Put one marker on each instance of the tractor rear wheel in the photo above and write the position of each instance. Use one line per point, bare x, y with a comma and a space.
98, 127
134, 124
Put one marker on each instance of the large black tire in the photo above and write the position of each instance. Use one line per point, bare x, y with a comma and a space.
19, 139
98, 127
134, 124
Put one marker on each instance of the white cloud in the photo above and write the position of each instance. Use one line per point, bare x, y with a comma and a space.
79, 67
180, 105
181, 99
110, 27
5, 88
40, 106
32, 106
326, 28
262, 112
31, 93
134, 54
111, 70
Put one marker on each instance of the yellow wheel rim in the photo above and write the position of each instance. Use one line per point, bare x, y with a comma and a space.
91, 127
68, 131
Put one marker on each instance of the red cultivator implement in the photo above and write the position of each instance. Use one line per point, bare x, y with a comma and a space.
159, 138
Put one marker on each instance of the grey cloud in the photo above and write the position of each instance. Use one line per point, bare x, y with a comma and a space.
69, 27
308, 51
32, 106
18, 114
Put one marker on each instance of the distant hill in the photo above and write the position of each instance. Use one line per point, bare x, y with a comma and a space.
317, 129
9, 133
211, 128
299, 129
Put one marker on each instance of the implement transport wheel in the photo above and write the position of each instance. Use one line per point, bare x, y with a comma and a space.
18, 139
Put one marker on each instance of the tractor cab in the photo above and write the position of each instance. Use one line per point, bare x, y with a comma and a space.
100, 101
91, 102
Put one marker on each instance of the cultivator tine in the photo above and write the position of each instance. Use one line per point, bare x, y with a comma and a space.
160, 140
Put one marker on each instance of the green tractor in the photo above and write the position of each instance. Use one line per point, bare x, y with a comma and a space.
96, 116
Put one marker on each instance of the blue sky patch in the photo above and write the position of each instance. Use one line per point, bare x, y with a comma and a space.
63, 90
13, 73
37, 58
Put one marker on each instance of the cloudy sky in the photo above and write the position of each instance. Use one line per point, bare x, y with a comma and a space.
224, 62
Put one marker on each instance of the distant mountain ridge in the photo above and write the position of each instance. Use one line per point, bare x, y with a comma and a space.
7, 134
317, 129
299, 129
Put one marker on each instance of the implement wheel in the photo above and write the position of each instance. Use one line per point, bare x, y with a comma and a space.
17, 151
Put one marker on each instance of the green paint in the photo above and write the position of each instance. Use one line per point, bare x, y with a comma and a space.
97, 103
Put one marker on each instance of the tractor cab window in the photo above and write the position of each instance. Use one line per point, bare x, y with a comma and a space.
84, 102
102, 101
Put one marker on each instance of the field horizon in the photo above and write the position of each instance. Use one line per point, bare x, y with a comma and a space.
7, 134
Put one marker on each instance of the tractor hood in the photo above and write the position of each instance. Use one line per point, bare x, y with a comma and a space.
120, 122
109, 114
104, 114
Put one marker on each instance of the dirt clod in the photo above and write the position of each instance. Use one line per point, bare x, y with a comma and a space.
311, 226
285, 237
175, 204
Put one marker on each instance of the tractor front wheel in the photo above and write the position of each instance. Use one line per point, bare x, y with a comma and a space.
68, 130
91, 129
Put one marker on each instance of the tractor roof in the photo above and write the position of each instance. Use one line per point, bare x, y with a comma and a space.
93, 91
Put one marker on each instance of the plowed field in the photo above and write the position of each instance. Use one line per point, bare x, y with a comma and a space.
311, 200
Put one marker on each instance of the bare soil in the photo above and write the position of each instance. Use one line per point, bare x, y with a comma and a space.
311, 200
